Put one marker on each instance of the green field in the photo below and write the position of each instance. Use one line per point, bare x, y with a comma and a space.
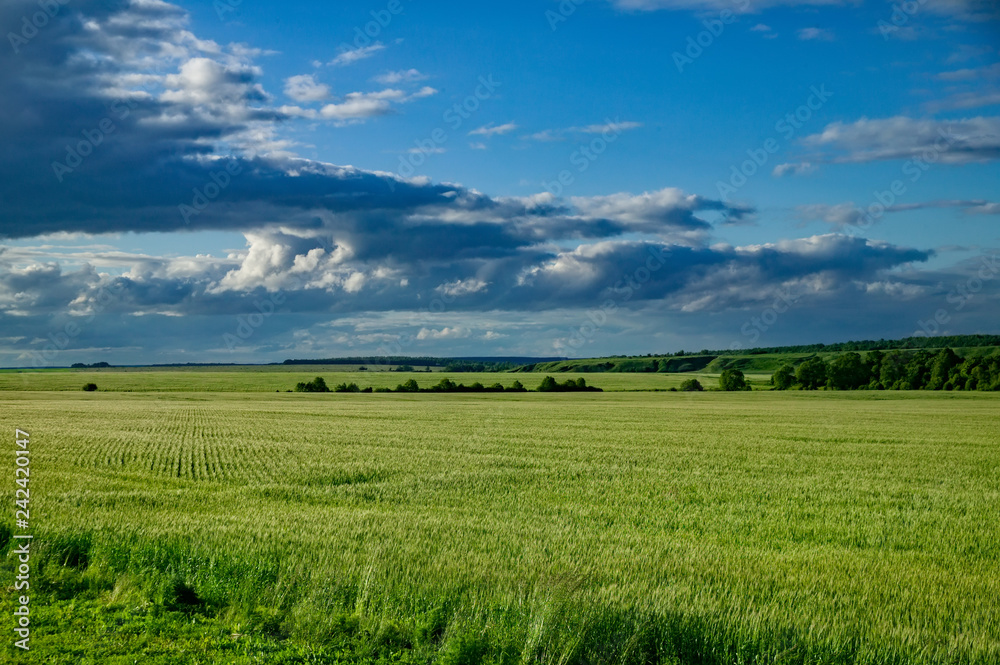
277, 378
553, 528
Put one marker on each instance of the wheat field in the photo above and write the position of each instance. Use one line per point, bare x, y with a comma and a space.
617, 527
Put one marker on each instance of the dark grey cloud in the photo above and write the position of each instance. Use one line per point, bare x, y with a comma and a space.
946, 141
843, 215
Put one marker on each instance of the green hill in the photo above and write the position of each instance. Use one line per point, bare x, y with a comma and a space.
765, 360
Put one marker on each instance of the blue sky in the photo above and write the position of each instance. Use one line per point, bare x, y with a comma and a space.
839, 154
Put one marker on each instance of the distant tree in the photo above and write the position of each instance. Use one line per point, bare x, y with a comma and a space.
445, 386
811, 374
941, 368
90, 387
548, 385
362, 369
848, 372
317, 385
732, 380
917, 373
517, 387
692, 385
404, 368
410, 386
784, 378
893, 371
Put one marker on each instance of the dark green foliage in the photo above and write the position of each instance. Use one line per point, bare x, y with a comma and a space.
445, 385
732, 380
848, 372
692, 385
317, 385
460, 366
811, 374
941, 368
549, 385
90, 387
784, 378
410, 386
895, 370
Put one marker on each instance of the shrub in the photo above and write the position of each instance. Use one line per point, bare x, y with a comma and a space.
517, 387
811, 374
849, 372
347, 388
317, 385
445, 386
784, 378
732, 380
692, 385
90, 387
548, 385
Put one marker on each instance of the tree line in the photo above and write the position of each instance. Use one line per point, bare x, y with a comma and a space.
895, 370
318, 385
